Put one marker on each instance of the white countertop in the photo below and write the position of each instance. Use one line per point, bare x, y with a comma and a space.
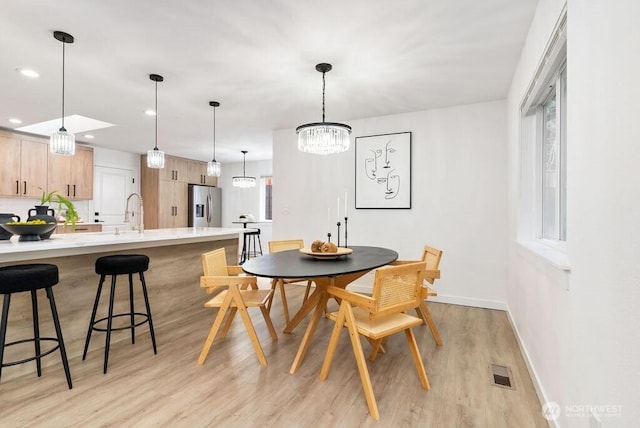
69, 244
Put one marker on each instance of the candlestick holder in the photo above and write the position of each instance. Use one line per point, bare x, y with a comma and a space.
346, 219
328, 236
338, 224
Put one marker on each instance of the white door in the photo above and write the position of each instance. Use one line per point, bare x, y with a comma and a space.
111, 188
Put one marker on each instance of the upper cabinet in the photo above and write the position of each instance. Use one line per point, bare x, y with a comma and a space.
175, 169
72, 176
23, 171
198, 174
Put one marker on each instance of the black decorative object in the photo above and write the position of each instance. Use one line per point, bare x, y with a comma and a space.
42, 212
6, 218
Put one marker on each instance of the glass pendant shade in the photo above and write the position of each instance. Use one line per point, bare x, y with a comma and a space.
155, 158
243, 181
62, 143
213, 168
323, 138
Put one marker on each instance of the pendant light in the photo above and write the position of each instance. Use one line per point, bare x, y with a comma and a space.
61, 141
155, 157
244, 181
213, 167
323, 138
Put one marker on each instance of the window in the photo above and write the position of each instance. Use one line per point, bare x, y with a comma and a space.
553, 145
543, 162
266, 189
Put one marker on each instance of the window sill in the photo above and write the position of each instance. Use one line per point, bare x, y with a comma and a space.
553, 256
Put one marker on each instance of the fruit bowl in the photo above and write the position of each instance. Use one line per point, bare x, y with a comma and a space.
29, 232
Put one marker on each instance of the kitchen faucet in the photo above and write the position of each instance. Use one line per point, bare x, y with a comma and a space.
140, 226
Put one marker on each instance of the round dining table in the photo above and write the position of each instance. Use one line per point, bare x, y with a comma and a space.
339, 272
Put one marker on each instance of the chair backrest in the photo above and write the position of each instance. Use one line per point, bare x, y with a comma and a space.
432, 258
214, 263
397, 288
284, 245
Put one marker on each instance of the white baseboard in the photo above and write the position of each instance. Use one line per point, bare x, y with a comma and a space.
537, 385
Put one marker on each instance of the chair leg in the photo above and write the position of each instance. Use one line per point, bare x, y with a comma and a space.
227, 324
146, 303
274, 281
306, 291
248, 325
333, 343
109, 323
3, 327
415, 353
93, 317
424, 313
214, 329
131, 309
56, 323
267, 320
36, 330
362, 364
376, 348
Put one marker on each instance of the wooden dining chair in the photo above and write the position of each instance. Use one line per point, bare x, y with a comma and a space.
279, 283
396, 289
241, 293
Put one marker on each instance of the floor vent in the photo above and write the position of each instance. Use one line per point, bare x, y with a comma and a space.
501, 376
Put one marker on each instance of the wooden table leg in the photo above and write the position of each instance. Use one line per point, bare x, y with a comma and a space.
307, 306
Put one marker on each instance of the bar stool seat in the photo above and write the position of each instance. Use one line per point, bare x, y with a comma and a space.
31, 277
123, 264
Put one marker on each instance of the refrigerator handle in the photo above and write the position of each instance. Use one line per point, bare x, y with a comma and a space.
209, 210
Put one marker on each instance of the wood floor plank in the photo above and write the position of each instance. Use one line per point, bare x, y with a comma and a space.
231, 389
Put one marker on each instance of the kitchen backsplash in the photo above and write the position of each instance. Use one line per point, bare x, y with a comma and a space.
21, 207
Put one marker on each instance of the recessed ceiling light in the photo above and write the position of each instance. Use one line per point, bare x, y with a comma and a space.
150, 112
28, 72
15, 120
89, 136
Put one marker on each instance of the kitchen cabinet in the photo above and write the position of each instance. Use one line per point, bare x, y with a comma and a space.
198, 174
175, 169
23, 170
72, 176
80, 228
165, 200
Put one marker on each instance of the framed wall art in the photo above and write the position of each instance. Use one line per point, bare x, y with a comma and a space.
383, 171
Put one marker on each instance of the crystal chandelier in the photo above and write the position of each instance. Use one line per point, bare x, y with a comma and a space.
213, 167
61, 141
244, 181
155, 157
323, 138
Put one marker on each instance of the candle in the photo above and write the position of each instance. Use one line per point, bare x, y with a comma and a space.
345, 205
338, 212
329, 219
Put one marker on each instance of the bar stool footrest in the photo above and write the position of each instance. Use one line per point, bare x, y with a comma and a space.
126, 327
35, 357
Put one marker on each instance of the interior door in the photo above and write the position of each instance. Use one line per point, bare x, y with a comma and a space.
112, 186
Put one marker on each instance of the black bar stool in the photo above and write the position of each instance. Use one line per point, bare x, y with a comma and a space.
31, 277
249, 248
125, 264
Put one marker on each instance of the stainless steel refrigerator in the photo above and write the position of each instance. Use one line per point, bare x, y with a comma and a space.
205, 208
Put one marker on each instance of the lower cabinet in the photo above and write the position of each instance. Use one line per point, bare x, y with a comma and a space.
80, 228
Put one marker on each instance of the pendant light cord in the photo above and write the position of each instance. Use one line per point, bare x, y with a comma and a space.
214, 133
323, 84
156, 142
62, 129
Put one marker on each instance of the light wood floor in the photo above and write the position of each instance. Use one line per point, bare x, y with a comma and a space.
232, 389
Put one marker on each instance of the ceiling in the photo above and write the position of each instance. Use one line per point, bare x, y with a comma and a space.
257, 58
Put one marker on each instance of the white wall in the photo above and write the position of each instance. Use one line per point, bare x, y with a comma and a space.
458, 196
236, 201
582, 342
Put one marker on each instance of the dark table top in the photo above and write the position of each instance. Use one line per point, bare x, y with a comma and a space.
294, 264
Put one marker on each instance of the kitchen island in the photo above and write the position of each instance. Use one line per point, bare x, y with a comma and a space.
172, 280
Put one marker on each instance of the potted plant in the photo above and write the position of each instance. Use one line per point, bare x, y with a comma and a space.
53, 196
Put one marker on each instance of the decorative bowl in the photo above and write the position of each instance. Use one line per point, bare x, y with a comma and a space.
326, 256
29, 232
